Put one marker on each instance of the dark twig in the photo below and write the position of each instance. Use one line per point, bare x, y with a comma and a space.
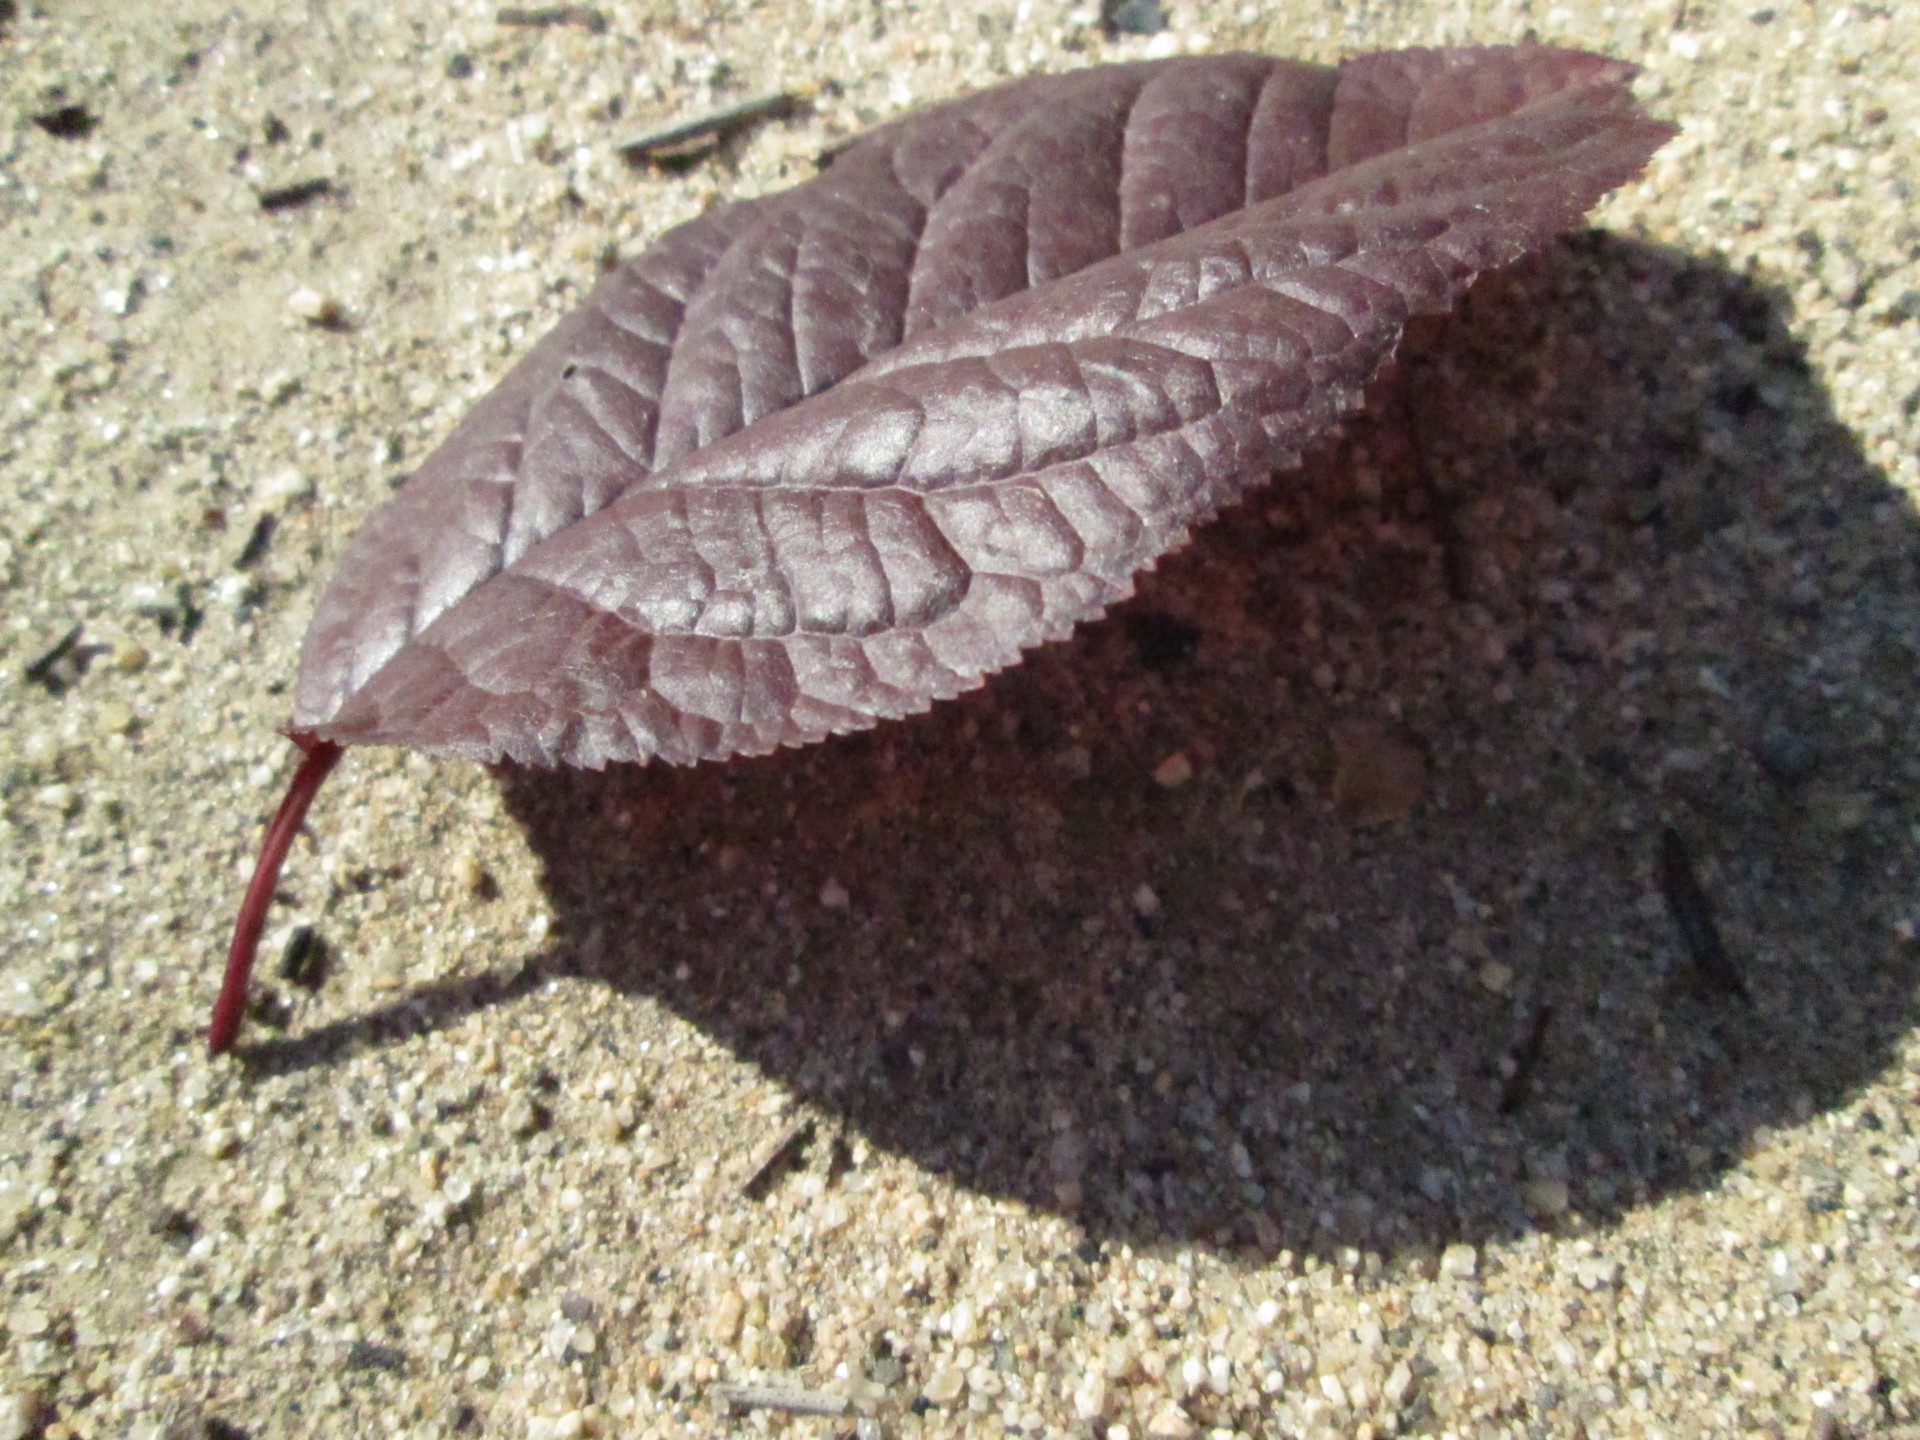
1526, 1060
258, 543
790, 1398
690, 139
1693, 916
290, 197
774, 1157
47, 671
584, 16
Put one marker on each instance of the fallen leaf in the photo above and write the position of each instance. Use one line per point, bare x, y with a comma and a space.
823, 458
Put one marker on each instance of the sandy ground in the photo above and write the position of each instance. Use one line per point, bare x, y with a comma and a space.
1265, 1014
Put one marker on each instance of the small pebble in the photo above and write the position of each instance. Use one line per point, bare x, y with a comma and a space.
1133, 17
1399, 1385
1788, 758
1219, 1374
945, 1386
28, 1321
1546, 1198
723, 1327
1377, 780
1193, 1374
278, 487
1090, 1396
19, 1411
1597, 1272
1076, 762
524, 1118
1459, 1262
322, 312
113, 718
961, 1321
1173, 772
1171, 1423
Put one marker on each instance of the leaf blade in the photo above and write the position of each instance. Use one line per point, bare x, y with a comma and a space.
864, 491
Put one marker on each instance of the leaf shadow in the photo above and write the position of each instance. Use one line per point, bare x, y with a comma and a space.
1609, 562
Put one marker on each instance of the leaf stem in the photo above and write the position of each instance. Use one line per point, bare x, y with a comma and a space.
320, 758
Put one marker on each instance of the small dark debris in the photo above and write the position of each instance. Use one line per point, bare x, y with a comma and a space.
179, 617
1904, 308
1693, 916
584, 16
839, 1159
577, 1308
176, 1227
465, 1418
290, 197
192, 1327
212, 1427
268, 1007
1132, 17
370, 1355
60, 668
304, 960
329, 315
276, 131
1788, 758
7, 11
1088, 1251
258, 542
677, 146
68, 122
459, 65
1526, 1062
1161, 641
833, 150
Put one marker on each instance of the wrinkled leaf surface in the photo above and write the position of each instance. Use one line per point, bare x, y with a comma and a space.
823, 458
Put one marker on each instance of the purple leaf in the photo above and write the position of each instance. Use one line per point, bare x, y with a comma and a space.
823, 458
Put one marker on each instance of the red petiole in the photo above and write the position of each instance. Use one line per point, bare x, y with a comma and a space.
320, 758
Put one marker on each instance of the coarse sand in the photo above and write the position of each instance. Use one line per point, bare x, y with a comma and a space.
1277, 1011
